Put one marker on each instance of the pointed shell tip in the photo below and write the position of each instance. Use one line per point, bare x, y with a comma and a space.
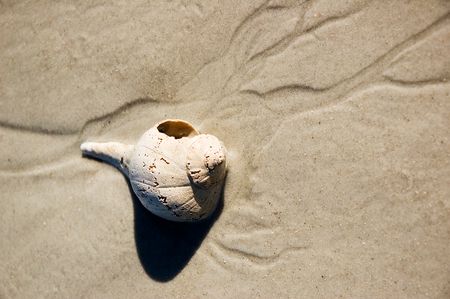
85, 147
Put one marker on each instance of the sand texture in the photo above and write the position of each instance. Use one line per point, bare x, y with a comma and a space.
336, 116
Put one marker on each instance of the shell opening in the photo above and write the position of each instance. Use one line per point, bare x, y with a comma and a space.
177, 129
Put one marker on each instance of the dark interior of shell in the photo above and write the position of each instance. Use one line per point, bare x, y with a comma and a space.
177, 128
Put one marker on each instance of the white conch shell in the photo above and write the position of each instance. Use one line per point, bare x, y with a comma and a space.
176, 172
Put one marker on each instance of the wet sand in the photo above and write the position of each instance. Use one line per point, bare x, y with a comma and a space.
336, 116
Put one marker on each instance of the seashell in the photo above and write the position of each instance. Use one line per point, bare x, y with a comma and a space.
176, 172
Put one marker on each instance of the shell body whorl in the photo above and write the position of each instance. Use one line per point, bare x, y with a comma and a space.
176, 172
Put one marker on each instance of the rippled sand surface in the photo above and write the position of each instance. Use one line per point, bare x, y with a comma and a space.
336, 115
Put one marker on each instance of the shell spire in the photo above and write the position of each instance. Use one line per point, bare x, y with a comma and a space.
114, 153
206, 164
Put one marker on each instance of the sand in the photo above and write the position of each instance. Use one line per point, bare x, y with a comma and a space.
336, 115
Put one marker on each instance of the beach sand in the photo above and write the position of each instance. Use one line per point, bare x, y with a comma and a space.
336, 116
